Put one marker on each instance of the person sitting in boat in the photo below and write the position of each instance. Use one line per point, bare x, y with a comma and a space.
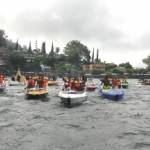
78, 86
31, 83
124, 81
73, 84
18, 78
13, 78
43, 82
84, 79
54, 78
2, 77
66, 82
116, 83
106, 83
39, 82
1, 80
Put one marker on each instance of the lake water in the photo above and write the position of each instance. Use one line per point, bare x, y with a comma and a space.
97, 124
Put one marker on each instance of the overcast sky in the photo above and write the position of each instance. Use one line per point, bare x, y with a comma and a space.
120, 29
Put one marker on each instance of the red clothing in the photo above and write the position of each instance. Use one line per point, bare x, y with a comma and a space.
31, 83
44, 83
78, 85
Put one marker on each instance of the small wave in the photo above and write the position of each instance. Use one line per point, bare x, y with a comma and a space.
141, 145
41, 117
130, 133
78, 127
5, 125
135, 133
4, 111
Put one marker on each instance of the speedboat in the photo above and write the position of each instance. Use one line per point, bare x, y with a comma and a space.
90, 85
16, 83
70, 97
2, 87
146, 82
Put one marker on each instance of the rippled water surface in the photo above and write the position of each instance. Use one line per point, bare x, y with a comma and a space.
97, 124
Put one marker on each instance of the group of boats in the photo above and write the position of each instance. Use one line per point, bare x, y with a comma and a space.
69, 95
145, 81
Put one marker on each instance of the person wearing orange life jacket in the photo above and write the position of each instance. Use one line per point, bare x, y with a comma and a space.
31, 83
69, 83
78, 85
1, 79
73, 84
114, 82
118, 83
44, 82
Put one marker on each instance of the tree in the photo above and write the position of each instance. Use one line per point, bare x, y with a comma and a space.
2, 38
16, 45
77, 53
110, 66
126, 65
51, 58
16, 60
147, 62
57, 50
97, 60
118, 70
43, 51
52, 53
93, 56
30, 49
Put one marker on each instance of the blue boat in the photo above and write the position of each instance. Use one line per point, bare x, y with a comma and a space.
112, 94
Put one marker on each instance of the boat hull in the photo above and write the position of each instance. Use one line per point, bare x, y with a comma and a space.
71, 98
91, 88
112, 94
52, 83
124, 86
2, 87
16, 83
36, 93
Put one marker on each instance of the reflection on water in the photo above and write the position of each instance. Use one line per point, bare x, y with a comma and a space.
96, 124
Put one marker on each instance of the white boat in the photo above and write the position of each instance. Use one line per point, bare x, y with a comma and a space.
19, 80
90, 85
2, 87
16, 83
70, 97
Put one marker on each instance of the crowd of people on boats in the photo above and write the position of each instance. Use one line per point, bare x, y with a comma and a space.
37, 81
113, 82
75, 83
